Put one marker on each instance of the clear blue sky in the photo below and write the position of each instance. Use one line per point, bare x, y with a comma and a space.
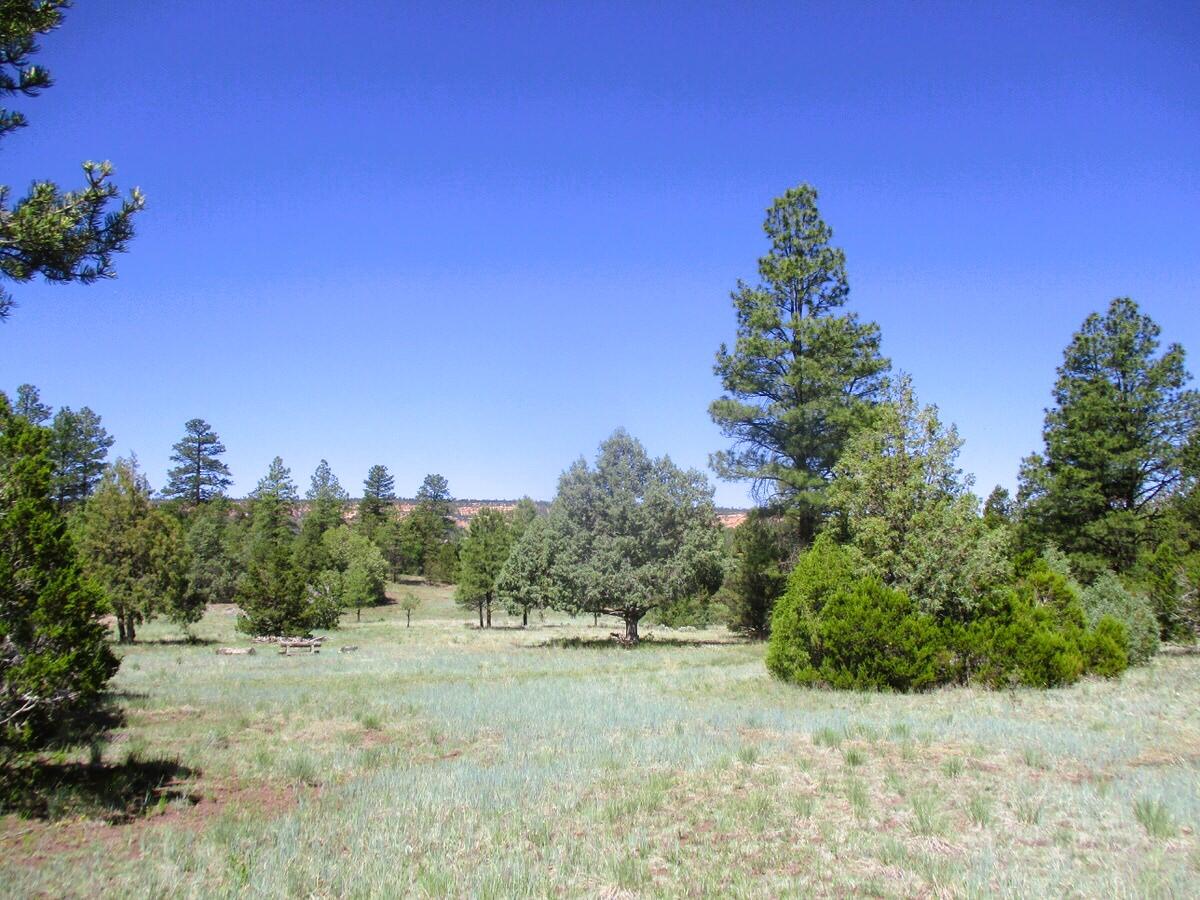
474, 239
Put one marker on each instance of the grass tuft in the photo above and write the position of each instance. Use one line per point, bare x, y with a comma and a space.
1155, 817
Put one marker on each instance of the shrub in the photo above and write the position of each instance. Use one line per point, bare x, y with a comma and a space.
833, 629
1017, 643
871, 637
1108, 597
821, 570
1104, 647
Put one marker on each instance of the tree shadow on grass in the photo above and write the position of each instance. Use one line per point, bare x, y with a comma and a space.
116, 792
49, 784
172, 642
610, 643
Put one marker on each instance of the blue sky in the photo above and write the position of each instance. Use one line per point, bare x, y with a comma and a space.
475, 238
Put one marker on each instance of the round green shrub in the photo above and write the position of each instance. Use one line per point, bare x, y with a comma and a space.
871, 637
822, 569
1017, 643
1105, 648
1107, 596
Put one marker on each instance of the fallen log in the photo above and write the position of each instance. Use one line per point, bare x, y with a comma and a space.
235, 651
350, 649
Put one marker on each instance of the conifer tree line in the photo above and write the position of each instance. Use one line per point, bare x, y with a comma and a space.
869, 561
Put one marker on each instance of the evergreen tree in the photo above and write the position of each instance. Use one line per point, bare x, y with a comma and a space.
901, 501
378, 494
430, 527
200, 475
54, 659
526, 581
273, 591
484, 550
62, 236
801, 377
358, 572
633, 533
29, 404
1116, 440
135, 552
434, 493
522, 516
757, 577
999, 508
80, 447
326, 502
277, 482
410, 603
214, 553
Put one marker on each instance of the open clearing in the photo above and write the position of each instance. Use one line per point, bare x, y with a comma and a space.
441, 760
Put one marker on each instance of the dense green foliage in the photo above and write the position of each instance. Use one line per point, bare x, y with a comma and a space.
483, 553
526, 581
69, 236
838, 627
81, 445
199, 474
1107, 596
54, 659
214, 541
358, 573
1116, 442
801, 377
378, 494
757, 575
426, 540
135, 552
632, 534
326, 505
900, 499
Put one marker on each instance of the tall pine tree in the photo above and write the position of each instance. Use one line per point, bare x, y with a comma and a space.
277, 482
326, 501
378, 494
29, 404
1115, 442
80, 447
802, 375
199, 474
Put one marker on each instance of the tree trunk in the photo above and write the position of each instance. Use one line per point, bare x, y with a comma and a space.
120, 629
595, 618
525, 617
488, 603
358, 614
481, 614
408, 618
631, 624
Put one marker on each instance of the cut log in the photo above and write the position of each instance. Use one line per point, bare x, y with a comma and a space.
235, 651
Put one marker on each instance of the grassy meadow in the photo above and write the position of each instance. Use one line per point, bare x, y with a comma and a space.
441, 760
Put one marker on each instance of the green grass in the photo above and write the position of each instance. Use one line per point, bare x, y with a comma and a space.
1155, 817
444, 760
